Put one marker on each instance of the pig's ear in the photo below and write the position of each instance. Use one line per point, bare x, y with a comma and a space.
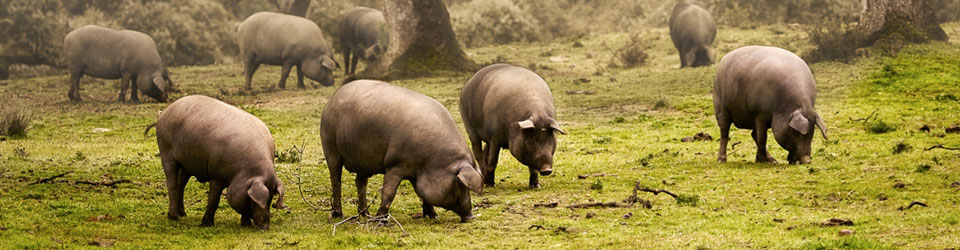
799, 123
556, 126
259, 194
471, 178
279, 204
526, 124
158, 81
329, 63
822, 126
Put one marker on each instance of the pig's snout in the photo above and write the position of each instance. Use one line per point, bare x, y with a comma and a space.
546, 170
467, 217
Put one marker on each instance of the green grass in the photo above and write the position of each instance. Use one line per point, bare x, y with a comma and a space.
620, 130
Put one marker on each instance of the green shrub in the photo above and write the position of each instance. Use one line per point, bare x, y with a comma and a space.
879, 127
832, 40
493, 22
631, 54
14, 121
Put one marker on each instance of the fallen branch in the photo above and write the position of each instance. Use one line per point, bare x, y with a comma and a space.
941, 147
538, 227
102, 183
48, 179
547, 204
599, 204
398, 224
584, 176
654, 191
865, 119
341, 222
915, 203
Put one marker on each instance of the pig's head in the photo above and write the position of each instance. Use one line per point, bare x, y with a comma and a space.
320, 69
251, 199
794, 132
154, 85
533, 142
449, 187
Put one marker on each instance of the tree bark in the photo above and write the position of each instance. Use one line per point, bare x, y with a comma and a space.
421, 41
905, 20
293, 7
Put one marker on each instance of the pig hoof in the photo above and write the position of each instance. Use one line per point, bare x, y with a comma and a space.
173, 216
336, 214
534, 186
722, 159
206, 224
422, 216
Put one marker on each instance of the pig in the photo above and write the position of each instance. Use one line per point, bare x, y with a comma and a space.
285, 40
371, 127
760, 87
510, 107
218, 143
106, 53
692, 30
363, 34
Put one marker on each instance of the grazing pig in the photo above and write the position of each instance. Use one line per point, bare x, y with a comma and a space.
371, 127
116, 54
510, 107
765, 87
202, 137
362, 33
285, 40
692, 30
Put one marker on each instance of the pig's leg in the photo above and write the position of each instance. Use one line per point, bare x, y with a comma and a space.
182, 178
125, 82
284, 72
251, 67
476, 145
74, 93
346, 58
300, 78
213, 201
534, 178
174, 191
362, 195
760, 137
428, 211
490, 167
723, 120
336, 168
353, 63
133, 90
391, 181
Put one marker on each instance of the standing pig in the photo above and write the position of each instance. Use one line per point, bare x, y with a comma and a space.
116, 54
692, 30
285, 40
765, 87
510, 107
363, 33
371, 127
202, 137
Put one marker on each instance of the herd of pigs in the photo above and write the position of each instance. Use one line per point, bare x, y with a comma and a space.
371, 127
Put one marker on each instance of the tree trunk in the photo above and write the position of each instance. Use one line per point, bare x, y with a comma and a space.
293, 7
421, 41
898, 21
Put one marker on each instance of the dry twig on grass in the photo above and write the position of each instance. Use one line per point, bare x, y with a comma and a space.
48, 179
865, 119
940, 146
915, 203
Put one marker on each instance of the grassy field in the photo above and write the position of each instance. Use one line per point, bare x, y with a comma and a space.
626, 123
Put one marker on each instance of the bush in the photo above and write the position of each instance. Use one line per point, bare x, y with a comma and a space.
14, 122
187, 32
493, 22
832, 39
32, 31
632, 54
